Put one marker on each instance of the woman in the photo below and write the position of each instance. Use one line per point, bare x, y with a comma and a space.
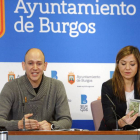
124, 85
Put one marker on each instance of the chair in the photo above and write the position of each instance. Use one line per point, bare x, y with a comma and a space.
97, 113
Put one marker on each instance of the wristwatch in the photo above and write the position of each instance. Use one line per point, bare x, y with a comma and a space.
52, 126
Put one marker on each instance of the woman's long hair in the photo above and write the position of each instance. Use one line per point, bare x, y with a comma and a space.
117, 80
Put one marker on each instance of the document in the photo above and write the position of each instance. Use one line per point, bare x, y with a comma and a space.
134, 105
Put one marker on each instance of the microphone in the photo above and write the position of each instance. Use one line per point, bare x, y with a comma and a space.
24, 100
23, 105
117, 127
111, 101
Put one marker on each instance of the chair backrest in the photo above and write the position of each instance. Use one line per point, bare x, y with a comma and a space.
97, 113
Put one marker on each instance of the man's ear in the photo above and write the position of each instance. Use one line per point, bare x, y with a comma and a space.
45, 66
23, 65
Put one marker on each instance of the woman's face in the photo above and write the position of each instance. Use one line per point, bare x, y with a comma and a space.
128, 67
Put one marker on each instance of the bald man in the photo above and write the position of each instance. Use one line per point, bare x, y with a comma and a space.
34, 101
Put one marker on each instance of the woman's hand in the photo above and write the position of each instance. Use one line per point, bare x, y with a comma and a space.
127, 119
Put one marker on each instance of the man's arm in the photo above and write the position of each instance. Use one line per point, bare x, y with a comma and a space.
6, 102
62, 111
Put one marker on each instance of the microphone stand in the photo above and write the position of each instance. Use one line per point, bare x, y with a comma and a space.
24, 129
117, 128
23, 107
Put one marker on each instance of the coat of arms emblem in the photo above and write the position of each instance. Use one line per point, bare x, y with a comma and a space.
11, 76
71, 78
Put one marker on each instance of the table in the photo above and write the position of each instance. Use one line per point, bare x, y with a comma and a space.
73, 135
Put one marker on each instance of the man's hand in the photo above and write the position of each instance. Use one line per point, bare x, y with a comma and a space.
29, 123
44, 125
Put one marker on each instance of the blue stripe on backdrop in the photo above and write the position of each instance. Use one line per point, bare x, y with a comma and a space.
83, 124
100, 36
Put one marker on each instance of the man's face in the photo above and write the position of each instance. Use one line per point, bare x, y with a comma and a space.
34, 66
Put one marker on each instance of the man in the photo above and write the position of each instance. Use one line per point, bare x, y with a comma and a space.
40, 99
